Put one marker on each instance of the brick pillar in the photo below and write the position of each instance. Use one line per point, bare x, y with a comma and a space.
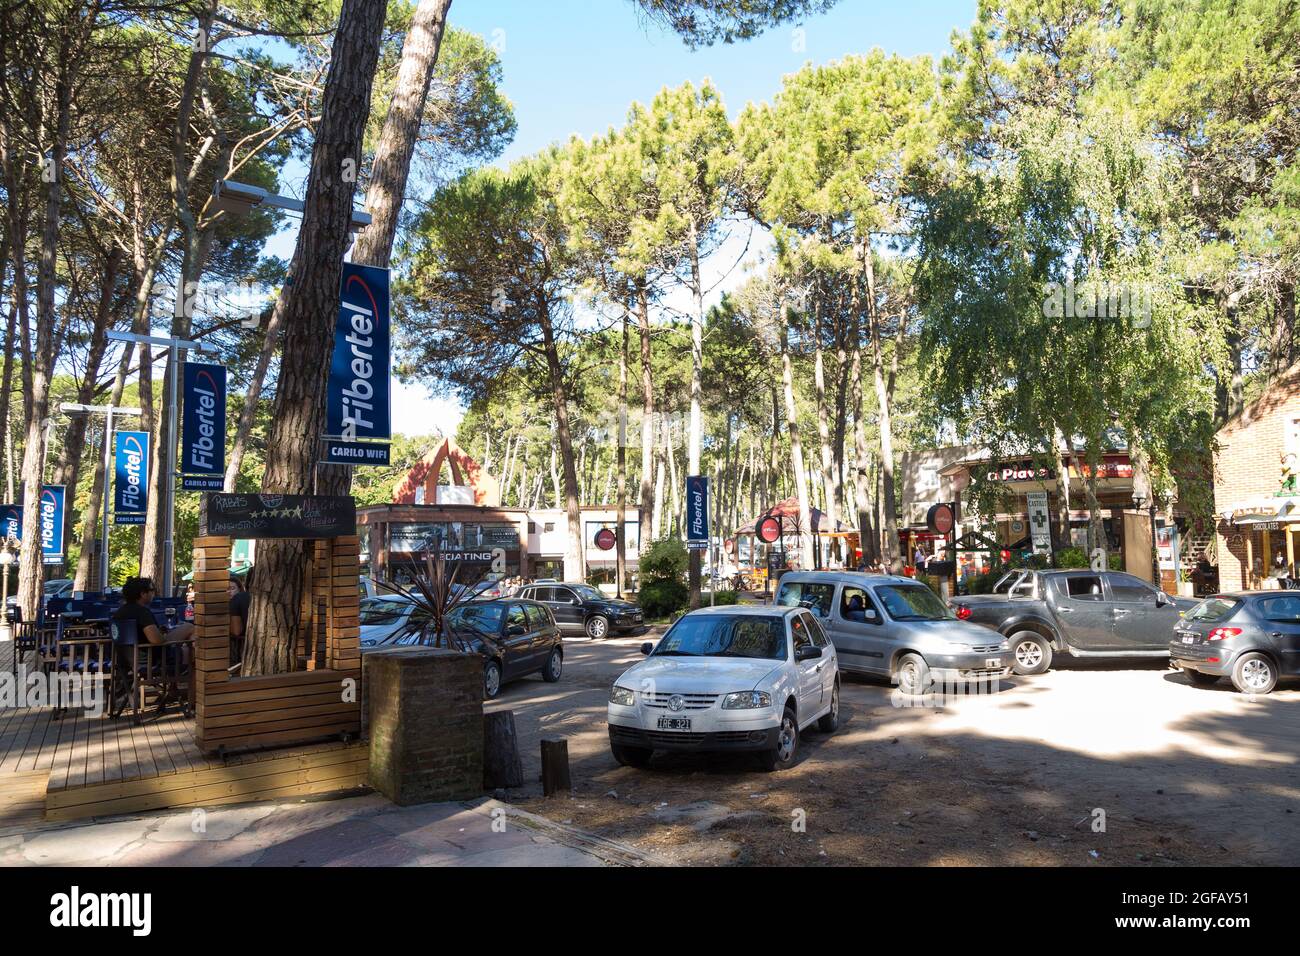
426, 724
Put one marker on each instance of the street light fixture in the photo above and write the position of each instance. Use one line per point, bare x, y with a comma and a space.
241, 198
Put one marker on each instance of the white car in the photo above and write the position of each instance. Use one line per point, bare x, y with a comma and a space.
728, 679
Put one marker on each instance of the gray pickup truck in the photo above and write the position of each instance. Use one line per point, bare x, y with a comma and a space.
1083, 613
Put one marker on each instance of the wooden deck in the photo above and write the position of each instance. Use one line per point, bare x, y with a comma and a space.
78, 766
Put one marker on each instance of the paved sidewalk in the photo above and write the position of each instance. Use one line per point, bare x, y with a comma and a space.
353, 831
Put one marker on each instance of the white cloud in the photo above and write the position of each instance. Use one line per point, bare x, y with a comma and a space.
414, 412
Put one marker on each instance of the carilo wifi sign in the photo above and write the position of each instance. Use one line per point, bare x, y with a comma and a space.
130, 477
203, 429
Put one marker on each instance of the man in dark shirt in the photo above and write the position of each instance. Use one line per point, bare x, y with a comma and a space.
136, 595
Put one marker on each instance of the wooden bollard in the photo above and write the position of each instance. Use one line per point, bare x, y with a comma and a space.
501, 764
555, 766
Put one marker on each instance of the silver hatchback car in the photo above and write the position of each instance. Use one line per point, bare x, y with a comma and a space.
896, 627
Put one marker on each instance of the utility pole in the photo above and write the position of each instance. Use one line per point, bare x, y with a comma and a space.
175, 346
108, 411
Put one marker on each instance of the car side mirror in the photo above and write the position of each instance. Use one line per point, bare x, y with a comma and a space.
807, 653
1163, 599
647, 648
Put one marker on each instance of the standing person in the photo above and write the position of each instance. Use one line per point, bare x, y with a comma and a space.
240, 599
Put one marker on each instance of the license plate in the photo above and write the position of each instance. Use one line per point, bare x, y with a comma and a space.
993, 663
674, 723
1188, 639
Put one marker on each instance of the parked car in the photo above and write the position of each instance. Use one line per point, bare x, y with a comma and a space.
728, 679
515, 638
895, 627
1103, 614
384, 618
1250, 637
580, 607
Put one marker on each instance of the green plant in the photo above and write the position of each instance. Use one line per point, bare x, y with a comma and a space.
1071, 558
726, 597
664, 560
662, 597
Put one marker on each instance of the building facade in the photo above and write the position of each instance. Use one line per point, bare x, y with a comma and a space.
1256, 505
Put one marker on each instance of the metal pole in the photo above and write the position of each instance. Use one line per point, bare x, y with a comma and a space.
169, 556
103, 544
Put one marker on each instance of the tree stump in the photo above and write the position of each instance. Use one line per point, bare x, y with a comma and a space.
502, 766
555, 766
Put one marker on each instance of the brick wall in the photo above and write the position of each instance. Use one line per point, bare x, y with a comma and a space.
426, 724
1247, 463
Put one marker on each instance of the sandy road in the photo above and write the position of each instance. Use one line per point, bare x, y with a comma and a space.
1179, 774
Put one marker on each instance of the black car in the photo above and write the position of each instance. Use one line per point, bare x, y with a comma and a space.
1251, 637
580, 607
515, 637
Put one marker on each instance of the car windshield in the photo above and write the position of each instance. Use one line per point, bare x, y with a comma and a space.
381, 611
912, 602
724, 635
587, 592
484, 618
1213, 610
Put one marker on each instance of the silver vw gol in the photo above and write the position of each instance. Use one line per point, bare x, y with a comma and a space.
896, 627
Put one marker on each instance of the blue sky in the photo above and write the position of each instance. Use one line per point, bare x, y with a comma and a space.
574, 66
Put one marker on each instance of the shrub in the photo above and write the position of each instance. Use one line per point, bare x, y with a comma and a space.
1071, 558
665, 560
661, 597
726, 597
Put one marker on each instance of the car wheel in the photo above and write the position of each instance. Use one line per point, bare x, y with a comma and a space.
554, 667
598, 627
1030, 653
1199, 679
913, 675
491, 680
1254, 674
630, 756
830, 721
787, 744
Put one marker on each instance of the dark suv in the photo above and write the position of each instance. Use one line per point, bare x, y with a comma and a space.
1251, 637
515, 637
580, 607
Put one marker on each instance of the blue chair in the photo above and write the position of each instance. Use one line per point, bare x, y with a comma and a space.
83, 651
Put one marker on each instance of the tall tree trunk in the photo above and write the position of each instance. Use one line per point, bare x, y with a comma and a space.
867, 537
91, 523
620, 561
647, 503
830, 484
392, 165
31, 565
889, 509
796, 448
697, 367
575, 563
298, 416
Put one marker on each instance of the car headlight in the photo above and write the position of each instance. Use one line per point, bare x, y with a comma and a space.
746, 700
622, 696
1005, 646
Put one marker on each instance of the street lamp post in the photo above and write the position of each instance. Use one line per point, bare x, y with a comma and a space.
175, 347
108, 411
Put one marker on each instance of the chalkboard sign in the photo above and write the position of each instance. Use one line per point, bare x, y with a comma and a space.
280, 516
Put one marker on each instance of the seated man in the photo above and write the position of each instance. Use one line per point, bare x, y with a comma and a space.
855, 610
136, 595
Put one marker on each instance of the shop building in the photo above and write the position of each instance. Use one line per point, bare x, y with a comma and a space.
1256, 499
1040, 512
466, 522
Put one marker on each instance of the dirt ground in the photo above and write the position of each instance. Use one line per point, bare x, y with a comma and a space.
1177, 775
